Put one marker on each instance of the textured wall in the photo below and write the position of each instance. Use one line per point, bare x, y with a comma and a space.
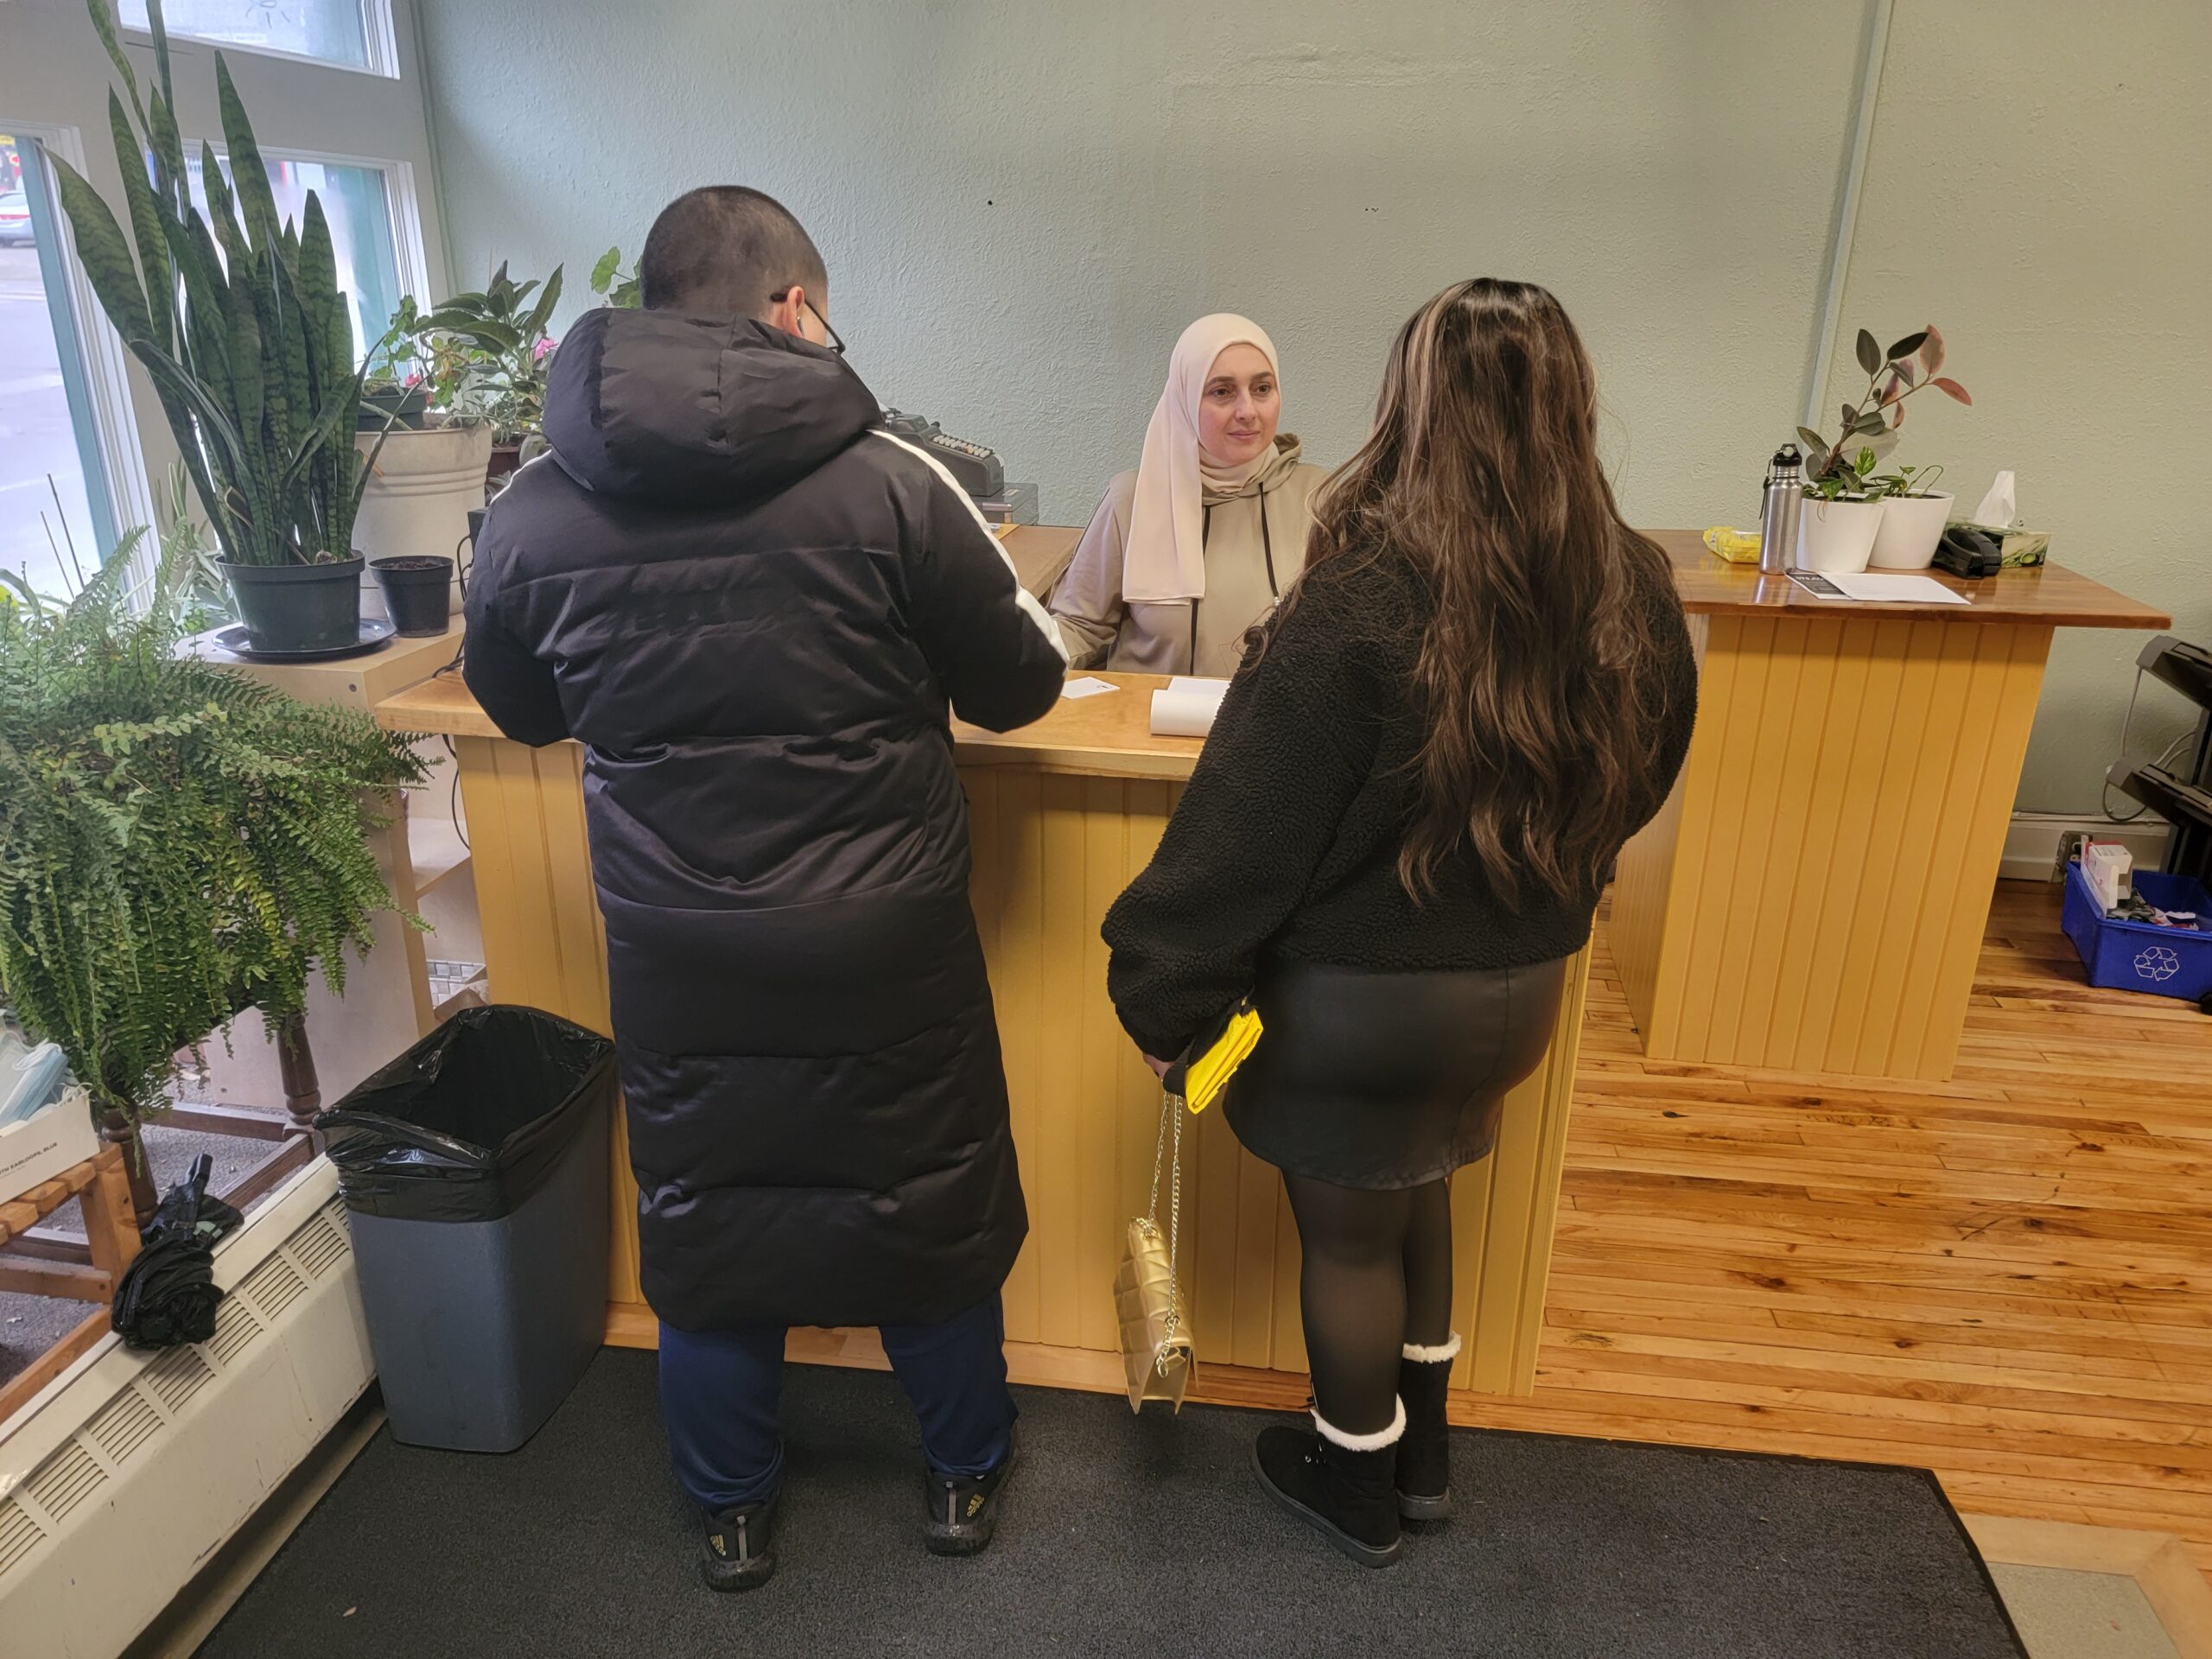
1021, 205
2037, 187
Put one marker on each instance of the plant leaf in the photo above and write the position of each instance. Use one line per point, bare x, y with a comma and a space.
1850, 413
602, 274
145, 227
105, 254
1814, 443
1869, 353
103, 26
1931, 354
1906, 346
533, 325
1902, 369
1892, 389
249, 173
1951, 388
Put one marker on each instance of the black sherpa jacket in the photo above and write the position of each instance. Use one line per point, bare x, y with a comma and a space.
1286, 842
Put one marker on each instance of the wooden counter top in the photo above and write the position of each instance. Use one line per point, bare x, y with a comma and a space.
1108, 735
1105, 736
2051, 595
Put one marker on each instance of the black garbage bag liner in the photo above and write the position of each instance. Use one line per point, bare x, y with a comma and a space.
167, 1294
471, 1121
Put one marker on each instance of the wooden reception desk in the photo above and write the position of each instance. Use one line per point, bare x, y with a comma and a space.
1064, 814
1814, 894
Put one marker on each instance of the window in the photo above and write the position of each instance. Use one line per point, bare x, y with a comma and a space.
349, 33
55, 521
357, 201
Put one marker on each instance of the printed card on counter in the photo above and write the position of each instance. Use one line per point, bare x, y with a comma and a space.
1087, 687
1186, 707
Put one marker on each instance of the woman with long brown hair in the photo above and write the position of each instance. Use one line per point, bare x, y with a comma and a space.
1394, 838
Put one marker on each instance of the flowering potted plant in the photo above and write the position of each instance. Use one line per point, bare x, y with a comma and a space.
1846, 506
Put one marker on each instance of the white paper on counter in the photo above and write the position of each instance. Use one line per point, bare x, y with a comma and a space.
1087, 687
1898, 589
1186, 707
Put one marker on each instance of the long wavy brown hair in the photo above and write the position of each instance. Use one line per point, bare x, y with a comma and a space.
1540, 677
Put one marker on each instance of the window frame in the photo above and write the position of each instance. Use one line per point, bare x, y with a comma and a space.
378, 35
402, 203
125, 490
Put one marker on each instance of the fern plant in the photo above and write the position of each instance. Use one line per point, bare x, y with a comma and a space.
178, 844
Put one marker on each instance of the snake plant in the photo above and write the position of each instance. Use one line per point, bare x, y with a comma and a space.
239, 319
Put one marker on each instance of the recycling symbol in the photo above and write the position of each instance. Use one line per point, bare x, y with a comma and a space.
2158, 961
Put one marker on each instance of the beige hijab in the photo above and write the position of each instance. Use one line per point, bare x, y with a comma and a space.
1165, 554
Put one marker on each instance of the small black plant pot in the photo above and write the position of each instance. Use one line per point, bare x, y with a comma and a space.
417, 592
299, 606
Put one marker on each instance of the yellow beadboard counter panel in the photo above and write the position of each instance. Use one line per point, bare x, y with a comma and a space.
1813, 896
1051, 850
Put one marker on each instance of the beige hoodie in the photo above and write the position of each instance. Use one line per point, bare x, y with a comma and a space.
1102, 629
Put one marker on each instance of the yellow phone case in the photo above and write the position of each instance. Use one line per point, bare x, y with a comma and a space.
1208, 1074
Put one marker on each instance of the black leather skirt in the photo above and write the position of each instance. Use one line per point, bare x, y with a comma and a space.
1383, 1080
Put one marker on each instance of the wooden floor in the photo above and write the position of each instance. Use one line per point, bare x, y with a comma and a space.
2006, 1277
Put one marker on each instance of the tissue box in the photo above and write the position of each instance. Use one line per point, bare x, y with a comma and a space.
46, 1143
2021, 548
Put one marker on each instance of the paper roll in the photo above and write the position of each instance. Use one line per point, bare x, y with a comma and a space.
1186, 707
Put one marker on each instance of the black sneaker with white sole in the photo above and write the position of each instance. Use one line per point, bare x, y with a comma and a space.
964, 1509
740, 1547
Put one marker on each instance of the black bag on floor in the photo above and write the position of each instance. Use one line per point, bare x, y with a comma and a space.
470, 1122
167, 1295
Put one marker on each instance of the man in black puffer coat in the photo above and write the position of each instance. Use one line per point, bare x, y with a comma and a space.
753, 607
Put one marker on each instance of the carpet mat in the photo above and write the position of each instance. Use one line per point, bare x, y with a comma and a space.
1121, 1535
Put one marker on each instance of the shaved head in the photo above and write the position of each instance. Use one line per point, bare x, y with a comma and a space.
723, 250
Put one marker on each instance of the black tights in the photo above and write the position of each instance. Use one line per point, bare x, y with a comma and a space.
1377, 1275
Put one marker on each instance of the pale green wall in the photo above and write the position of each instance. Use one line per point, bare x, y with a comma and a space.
1022, 205
2038, 188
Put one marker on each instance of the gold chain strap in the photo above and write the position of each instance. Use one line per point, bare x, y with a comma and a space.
1170, 1108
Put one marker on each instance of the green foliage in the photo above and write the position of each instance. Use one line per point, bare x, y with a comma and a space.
1838, 468
1906, 480
618, 287
178, 843
239, 319
483, 356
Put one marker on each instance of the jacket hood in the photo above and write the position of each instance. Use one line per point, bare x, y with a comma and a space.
695, 412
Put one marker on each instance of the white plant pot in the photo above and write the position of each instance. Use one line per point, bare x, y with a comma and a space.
1834, 537
1911, 527
419, 497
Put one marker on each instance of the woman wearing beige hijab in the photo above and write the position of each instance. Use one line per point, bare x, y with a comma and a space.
1189, 550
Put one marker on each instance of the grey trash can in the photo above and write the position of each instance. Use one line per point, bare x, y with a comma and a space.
475, 1170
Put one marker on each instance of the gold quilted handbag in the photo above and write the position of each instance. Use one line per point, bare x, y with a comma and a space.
1156, 1351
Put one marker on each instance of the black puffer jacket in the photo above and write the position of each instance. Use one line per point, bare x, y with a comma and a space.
752, 609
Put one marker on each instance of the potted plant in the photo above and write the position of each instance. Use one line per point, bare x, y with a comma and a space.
487, 352
239, 321
1914, 513
1844, 505
178, 843
425, 472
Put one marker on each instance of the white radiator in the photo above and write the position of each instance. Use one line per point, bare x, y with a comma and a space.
120, 1481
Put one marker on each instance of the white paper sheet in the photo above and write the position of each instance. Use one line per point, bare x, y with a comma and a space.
1898, 589
1087, 687
1186, 707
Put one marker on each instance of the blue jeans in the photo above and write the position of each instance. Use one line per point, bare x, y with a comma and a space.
719, 1391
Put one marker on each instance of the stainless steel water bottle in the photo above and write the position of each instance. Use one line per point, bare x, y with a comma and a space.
1783, 500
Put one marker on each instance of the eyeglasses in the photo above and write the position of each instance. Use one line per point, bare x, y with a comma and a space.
836, 344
